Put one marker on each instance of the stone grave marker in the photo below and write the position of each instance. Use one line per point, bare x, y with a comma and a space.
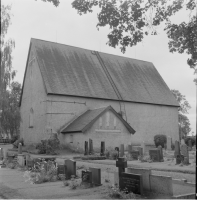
1, 153
155, 155
96, 175
117, 149
185, 153
121, 163
86, 176
19, 148
143, 145
134, 154
71, 168
129, 148
189, 145
161, 152
102, 148
86, 148
177, 149
21, 159
131, 182
121, 150
90, 146
169, 143
61, 170
140, 151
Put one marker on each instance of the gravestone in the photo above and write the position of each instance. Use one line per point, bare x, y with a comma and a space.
19, 148
177, 149
121, 163
121, 150
134, 154
86, 176
129, 148
90, 146
102, 148
61, 170
86, 148
71, 168
169, 143
21, 159
189, 145
117, 149
185, 153
161, 152
96, 175
155, 155
131, 182
1, 154
140, 149
143, 145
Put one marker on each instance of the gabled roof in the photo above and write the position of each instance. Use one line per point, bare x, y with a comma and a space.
74, 71
87, 119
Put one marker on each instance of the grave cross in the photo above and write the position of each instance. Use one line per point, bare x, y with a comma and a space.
121, 163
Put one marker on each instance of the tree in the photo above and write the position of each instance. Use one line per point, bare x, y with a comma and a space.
6, 72
184, 124
10, 109
131, 20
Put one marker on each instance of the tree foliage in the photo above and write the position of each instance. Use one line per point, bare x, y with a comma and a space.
184, 123
10, 119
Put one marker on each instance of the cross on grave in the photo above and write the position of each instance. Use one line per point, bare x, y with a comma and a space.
102, 148
121, 163
71, 168
96, 175
86, 148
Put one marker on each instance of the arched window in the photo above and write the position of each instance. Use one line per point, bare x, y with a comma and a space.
31, 118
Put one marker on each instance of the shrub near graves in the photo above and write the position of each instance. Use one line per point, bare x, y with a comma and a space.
193, 140
160, 140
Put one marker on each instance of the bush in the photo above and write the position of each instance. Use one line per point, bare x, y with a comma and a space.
111, 154
16, 143
160, 140
14, 138
193, 140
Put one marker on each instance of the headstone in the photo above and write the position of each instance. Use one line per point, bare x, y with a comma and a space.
21, 159
86, 176
121, 163
143, 145
90, 146
140, 149
61, 169
177, 149
169, 143
1, 154
134, 154
131, 182
19, 148
96, 175
129, 148
155, 155
86, 148
71, 168
161, 152
189, 145
121, 150
117, 149
185, 153
102, 148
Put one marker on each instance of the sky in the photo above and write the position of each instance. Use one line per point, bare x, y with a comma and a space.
62, 24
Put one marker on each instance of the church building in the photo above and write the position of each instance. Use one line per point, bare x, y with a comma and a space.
81, 94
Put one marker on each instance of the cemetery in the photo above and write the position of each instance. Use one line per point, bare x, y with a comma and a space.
133, 170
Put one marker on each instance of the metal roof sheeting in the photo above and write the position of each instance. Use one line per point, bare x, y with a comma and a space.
68, 70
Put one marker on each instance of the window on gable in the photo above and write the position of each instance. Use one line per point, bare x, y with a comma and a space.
31, 118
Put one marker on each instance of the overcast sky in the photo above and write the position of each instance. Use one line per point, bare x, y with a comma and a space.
36, 19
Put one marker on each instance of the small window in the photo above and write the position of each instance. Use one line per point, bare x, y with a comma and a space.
107, 120
114, 122
71, 138
31, 118
100, 122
